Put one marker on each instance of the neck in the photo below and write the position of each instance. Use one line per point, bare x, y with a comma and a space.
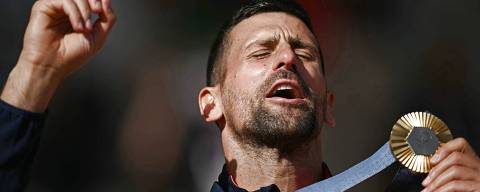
256, 167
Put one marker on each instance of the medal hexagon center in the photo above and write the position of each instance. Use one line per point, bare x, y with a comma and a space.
423, 141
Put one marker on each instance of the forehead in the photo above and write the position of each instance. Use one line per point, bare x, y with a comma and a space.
265, 25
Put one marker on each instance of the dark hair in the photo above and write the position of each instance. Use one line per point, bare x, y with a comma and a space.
215, 70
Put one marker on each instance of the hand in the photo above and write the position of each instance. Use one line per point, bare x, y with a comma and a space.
456, 167
60, 37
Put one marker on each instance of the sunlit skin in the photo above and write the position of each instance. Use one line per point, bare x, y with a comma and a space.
262, 49
260, 46
60, 38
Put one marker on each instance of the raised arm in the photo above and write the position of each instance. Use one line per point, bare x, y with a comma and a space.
60, 38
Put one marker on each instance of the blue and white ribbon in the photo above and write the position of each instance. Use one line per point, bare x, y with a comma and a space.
356, 174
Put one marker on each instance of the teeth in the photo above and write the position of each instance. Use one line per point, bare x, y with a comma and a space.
284, 87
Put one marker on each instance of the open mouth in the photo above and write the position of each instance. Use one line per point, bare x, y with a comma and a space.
286, 89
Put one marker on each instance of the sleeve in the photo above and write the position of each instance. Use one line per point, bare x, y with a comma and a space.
19, 137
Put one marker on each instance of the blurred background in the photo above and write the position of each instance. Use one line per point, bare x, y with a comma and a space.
129, 120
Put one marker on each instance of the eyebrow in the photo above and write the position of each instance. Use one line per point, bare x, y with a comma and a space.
269, 42
295, 42
298, 43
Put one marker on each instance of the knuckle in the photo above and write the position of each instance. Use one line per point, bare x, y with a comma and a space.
440, 152
455, 184
462, 141
456, 156
456, 169
37, 5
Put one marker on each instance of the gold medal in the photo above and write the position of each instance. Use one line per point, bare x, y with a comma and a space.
415, 138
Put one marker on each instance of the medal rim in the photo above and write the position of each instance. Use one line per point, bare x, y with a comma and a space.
402, 150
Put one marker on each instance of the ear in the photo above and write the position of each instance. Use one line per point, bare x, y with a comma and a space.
329, 117
210, 104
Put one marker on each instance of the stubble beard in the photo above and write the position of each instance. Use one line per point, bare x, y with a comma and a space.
283, 127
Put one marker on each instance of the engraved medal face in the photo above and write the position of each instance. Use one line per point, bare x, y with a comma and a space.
423, 141
415, 138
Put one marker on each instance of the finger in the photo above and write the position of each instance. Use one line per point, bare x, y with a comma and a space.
455, 158
85, 11
96, 5
459, 186
74, 15
458, 144
104, 24
451, 174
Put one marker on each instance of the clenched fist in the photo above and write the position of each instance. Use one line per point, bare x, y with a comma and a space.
60, 37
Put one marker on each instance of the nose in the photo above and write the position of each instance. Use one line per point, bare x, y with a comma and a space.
286, 59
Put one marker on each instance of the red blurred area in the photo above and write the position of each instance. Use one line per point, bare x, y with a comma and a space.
330, 20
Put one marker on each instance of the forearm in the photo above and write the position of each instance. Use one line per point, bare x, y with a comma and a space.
30, 87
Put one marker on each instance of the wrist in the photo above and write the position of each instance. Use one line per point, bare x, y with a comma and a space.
30, 87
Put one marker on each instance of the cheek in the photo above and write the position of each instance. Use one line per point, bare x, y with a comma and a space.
314, 79
249, 75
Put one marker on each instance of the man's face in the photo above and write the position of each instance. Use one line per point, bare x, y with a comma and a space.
274, 90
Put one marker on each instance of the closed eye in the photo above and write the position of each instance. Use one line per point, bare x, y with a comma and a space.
260, 53
304, 55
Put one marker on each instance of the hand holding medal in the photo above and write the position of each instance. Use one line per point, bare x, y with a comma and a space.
456, 167
422, 143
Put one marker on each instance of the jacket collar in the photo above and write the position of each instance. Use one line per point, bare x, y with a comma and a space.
226, 184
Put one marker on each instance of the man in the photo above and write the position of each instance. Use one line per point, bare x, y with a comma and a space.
266, 91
